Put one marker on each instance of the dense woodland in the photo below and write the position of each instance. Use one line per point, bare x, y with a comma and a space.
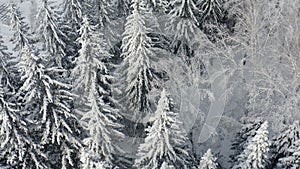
150, 84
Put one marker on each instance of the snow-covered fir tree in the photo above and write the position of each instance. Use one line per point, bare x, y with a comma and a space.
50, 34
5, 73
103, 14
99, 116
17, 148
92, 53
47, 102
19, 28
182, 26
101, 9
284, 140
208, 161
210, 17
71, 18
292, 160
246, 133
136, 68
211, 11
255, 154
165, 138
20, 39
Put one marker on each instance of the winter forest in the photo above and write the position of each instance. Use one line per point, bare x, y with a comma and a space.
150, 84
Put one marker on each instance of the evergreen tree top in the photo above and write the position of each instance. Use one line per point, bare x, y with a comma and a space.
208, 161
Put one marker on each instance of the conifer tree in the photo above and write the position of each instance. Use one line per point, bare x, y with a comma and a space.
164, 140
99, 117
246, 133
255, 154
182, 26
211, 11
208, 161
292, 160
210, 17
20, 39
284, 140
47, 100
103, 14
17, 149
71, 18
19, 28
50, 34
136, 67
5, 75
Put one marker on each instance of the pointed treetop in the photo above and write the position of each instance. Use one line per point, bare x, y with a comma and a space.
208, 161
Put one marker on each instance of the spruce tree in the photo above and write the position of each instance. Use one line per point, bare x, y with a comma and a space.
103, 15
98, 115
283, 141
211, 11
136, 68
210, 17
255, 154
47, 100
208, 161
292, 160
20, 39
17, 148
165, 138
246, 133
50, 34
5, 75
19, 28
182, 26
70, 19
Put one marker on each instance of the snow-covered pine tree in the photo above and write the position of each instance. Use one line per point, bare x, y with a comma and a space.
71, 18
72, 9
46, 101
103, 12
182, 26
5, 75
208, 161
248, 130
165, 138
283, 141
210, 17
19, 28
20, 39
137, 52
255, 154
291, 161
17, 148
50, 34
92, 83
211, 11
